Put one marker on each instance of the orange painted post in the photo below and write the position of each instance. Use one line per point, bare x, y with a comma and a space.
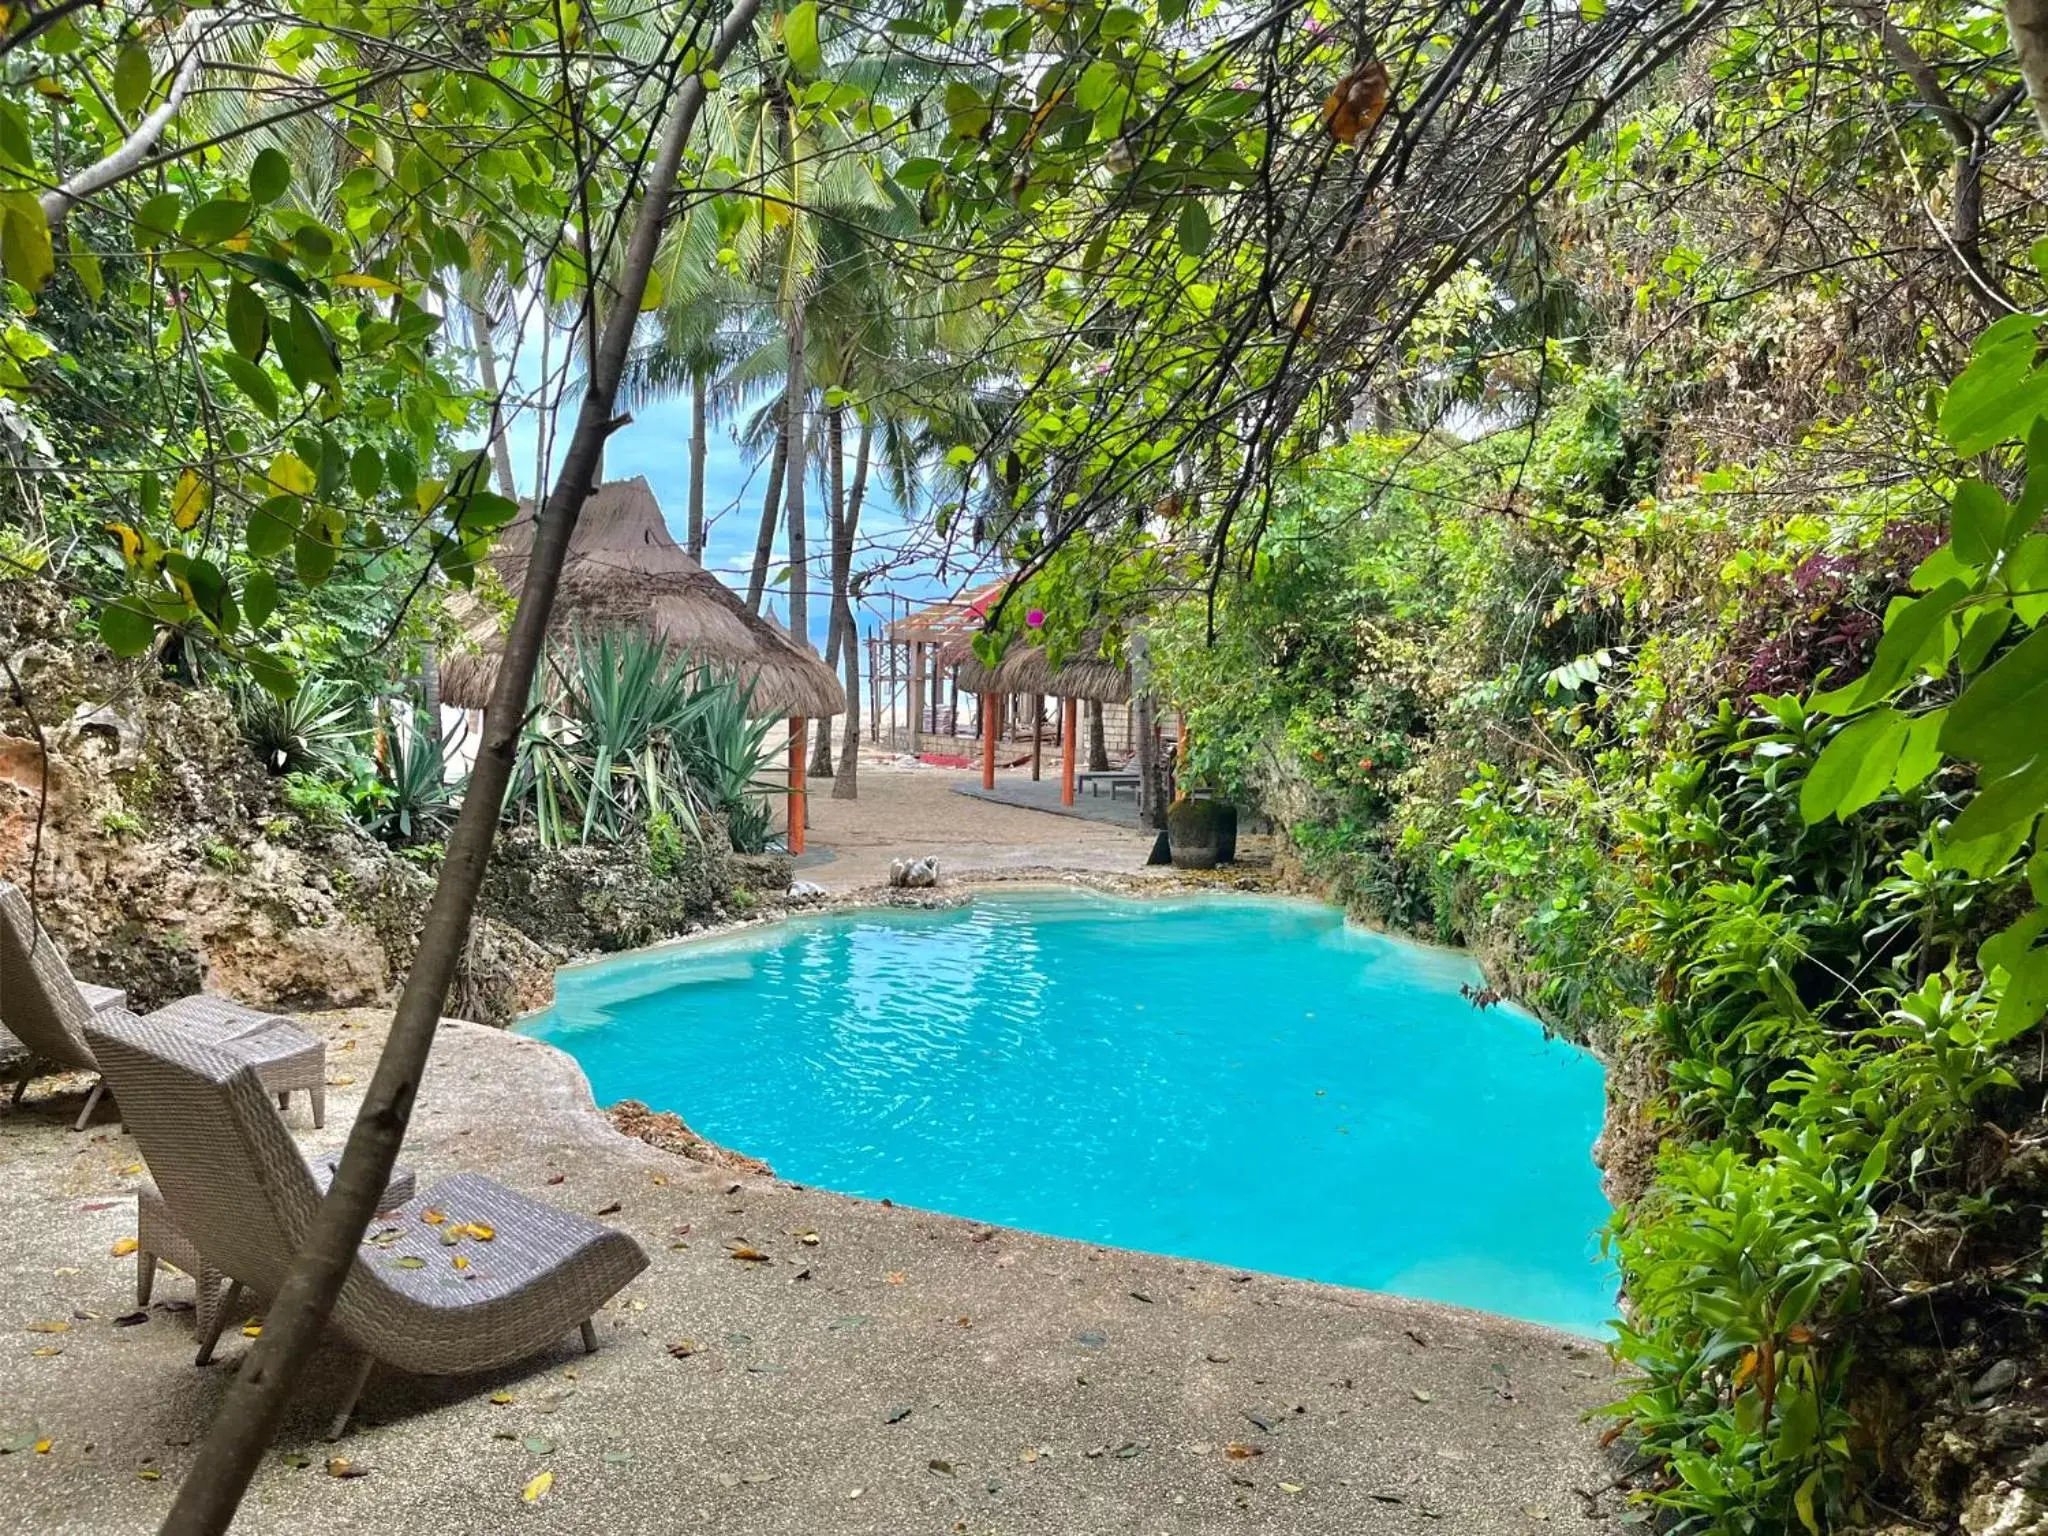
988, 741
797, 809
1070, 710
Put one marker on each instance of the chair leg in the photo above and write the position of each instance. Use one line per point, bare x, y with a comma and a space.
348, 1404
145, 1276
284, 1101
28, 1071
319, 1098
589, 1338
92, 1102
209, 1334
209, 1290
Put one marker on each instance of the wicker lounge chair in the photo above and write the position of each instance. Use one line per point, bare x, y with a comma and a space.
244, 1197
45, 1007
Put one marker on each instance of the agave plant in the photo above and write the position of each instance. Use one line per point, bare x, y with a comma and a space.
622, 736
413, 801
316, 730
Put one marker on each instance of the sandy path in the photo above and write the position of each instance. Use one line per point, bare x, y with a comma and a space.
910, 812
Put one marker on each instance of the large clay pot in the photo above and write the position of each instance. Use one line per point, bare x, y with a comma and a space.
1196, 833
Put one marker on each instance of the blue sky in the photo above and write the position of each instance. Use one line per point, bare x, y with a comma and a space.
656, 444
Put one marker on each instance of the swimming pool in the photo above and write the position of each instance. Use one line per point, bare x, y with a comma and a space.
1249, 1081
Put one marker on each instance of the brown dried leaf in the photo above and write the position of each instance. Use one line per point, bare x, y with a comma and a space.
1354, 108
749, 1255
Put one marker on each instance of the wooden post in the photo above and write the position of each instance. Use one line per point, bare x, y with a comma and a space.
916, 700
1037, 732
1069, 711
796, 784
988, 741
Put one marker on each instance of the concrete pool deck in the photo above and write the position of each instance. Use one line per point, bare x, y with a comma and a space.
903, 1372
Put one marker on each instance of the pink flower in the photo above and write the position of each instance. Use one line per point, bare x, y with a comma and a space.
1313, 27
1035, 618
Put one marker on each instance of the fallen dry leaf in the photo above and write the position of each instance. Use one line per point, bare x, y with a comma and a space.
749, 1255
1290, 1487
432, 1217
537, 1490
808, 1239
610, 1210
682, 1349
252, 1330
555, 1178
1237, 1450
894, 1277
479, 1231
124, 1247
43, 1447
408, 1261
47, 1351
501, 1398
344, 1081
459, 1262
341, 1466
149, 1474
53, 1327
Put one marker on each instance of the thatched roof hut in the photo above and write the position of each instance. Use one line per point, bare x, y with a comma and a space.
626, 572
1026, 669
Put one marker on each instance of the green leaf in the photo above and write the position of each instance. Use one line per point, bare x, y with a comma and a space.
1856, 767
273, 674
306, 350
800, 37
87, 266
251, 380
1095, 84
1912, 637
259, 597
1983, 630
365, 471
133, 76
1193, 229
2001, 393
126, 629
272, 527
1921, 754
214, 221
247, 320
157, 220
1979, 523
2026, 578
313, 559
402, 471
2013, 799
17, 144
269, 176
26, 255
1998, 720
485, 510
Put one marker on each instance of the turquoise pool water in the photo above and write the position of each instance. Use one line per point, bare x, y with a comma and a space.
1244, 1080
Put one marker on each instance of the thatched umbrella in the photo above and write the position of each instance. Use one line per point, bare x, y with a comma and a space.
626, 572
1027, 669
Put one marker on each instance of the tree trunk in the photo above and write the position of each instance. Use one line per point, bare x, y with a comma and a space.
771, 512
846, 786
835, 513
1098, 747
794, 409
699, 446
2027, 23
487, 375
248, 1418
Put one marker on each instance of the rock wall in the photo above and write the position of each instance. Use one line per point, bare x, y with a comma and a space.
164, 859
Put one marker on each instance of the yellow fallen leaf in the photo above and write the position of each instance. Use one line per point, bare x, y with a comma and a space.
537, 1490
133, 1168
661, 1178
149, 1474
42, 1447
124, 1247
432, 1217
343, 1081
252, 1330
459, 1262
52, 1327
1290, 1487
48, 1351
501, 1398
480, 1232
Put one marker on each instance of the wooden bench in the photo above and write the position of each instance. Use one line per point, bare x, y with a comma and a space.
1115, 778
